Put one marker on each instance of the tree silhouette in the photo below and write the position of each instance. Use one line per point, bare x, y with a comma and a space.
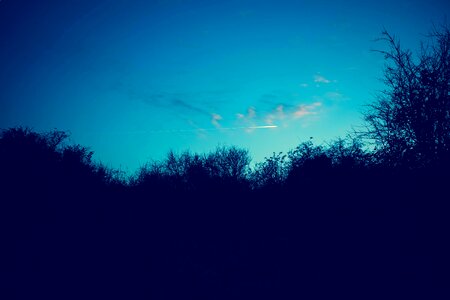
191, 171
272, 172
410, 120
228, 162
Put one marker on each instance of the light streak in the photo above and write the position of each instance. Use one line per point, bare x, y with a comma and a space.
261, 127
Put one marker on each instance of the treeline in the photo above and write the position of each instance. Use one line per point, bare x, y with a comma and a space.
46, 160
330, 219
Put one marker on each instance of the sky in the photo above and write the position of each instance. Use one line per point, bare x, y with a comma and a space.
133, 79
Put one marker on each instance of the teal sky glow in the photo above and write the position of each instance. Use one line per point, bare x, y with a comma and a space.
133, 79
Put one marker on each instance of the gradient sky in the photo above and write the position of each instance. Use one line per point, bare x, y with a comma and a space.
132, 79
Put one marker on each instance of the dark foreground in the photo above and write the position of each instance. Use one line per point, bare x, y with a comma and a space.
368, 233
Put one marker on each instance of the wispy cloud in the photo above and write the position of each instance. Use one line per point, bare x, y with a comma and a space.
201, 102
171, 101
281, 115
277, 114
215, 118
335, 96
272, 110
185, 105
248, 119
305, 110
321, 79
251, 114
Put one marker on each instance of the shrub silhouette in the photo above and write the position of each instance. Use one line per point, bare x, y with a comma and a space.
186, 171
272, 172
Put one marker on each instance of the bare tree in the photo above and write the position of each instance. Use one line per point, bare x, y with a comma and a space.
410, 120
271, 172
229, 162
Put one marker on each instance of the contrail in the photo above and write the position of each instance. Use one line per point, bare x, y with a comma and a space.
235, 128
261, 127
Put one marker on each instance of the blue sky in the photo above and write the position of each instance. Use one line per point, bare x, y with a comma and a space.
134, 79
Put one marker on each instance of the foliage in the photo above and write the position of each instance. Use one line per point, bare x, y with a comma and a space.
271, 172
37, 157
188, 171
348, 153
228, 162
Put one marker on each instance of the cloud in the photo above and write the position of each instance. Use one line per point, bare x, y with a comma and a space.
305, 110
215, 118
304, 85
251, 114
281, 115
200, 102
280, 108
183, 104
335, 96
172, 101
320, 79
249, 119
301, 112
277, 114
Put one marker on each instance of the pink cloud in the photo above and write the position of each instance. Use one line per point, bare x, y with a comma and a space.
280, 116
277, 114
305, 110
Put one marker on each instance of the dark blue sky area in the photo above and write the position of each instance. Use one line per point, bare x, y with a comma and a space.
133, 79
